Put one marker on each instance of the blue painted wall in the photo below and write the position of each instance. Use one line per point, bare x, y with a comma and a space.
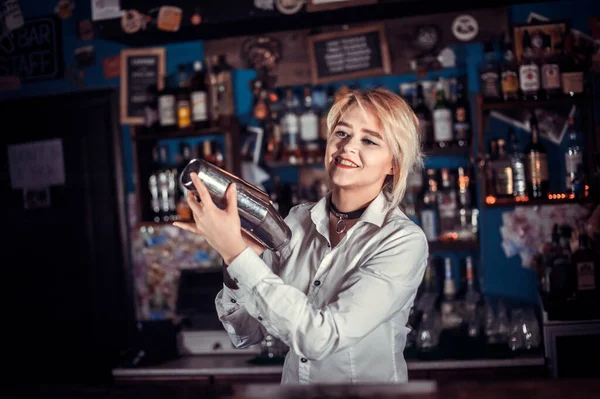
503, 276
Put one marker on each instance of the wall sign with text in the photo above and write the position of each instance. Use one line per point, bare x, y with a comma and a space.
34, 51
140, 68
349, 54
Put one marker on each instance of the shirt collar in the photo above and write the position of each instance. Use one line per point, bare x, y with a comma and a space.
374, 214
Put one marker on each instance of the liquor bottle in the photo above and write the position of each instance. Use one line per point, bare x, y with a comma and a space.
224, 86
573, 157
509, 74
584, 279
330, 94
427, 332
423, 112
167, 115
184, 211
208, 152
449, 307
462, 120
414, 189
166, 186
550, 70
442, 118
309, 128
537, 163
448, 207
199, 97
503, 173
153, 186
572, 76
517, 164
182, 100
529, 71
290, 130
489, 74
560, 288
151, 109
429, 213
212, 85
472, 299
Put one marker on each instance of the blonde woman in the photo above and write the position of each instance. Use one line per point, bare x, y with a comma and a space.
340, 292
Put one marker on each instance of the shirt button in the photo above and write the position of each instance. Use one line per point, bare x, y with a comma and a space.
317, 283
233, 300
303, 360
259, 318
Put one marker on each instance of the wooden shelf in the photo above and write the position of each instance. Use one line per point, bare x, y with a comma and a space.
187, 132
511, 202
448, 151
437, 246
496, 105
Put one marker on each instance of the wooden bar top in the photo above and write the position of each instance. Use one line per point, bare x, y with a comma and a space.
547, 389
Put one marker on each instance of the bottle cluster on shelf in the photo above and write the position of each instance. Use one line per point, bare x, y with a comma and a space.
196, 97
451, 307
568, 268
441, 202
524, 174
168, 198
544, 70
296, 120
443, 110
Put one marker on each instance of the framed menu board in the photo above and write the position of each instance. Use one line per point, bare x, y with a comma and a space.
349, 54
140, 68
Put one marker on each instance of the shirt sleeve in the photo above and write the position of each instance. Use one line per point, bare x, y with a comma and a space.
385, 284
243, 329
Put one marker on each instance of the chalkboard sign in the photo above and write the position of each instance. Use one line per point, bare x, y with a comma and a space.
349, 54
34, 51
140, 68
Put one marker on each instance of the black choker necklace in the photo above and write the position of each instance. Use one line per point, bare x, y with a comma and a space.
340, 226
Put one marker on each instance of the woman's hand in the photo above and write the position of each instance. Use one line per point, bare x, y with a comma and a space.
220, 227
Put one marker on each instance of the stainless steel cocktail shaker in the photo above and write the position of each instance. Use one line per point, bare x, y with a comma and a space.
258, 216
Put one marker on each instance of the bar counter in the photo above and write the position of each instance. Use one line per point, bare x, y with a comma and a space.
211, 365
547, 389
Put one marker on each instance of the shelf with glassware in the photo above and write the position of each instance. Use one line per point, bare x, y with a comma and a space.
189, 118
546, 83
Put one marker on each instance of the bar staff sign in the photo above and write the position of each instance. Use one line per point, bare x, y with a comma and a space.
140, 68
349, 54
34, 51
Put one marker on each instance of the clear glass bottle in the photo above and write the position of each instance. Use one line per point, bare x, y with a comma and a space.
503, 173
448, 207
517, 164
573, 157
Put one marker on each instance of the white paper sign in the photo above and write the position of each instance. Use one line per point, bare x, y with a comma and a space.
106, 9
36, 164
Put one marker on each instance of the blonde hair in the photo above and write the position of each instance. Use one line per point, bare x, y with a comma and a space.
401, 132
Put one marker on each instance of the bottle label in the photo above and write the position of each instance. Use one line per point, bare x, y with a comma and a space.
184, 114
289, 124
586, 278
166, 110
489, 82
529, 76
510, 83
442, 125
429, 224
550, 77
448, 205
538, 167
309, 127
571, 163
199, 106
504, 180
572, 82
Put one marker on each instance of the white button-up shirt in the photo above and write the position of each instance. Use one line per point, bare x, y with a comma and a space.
342, 311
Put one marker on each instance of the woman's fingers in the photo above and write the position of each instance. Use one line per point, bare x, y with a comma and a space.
201, 189
194, 204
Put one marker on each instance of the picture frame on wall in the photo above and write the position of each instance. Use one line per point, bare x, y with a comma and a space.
140, 69
537, 30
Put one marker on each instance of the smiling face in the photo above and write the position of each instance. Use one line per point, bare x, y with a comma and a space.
357, 157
